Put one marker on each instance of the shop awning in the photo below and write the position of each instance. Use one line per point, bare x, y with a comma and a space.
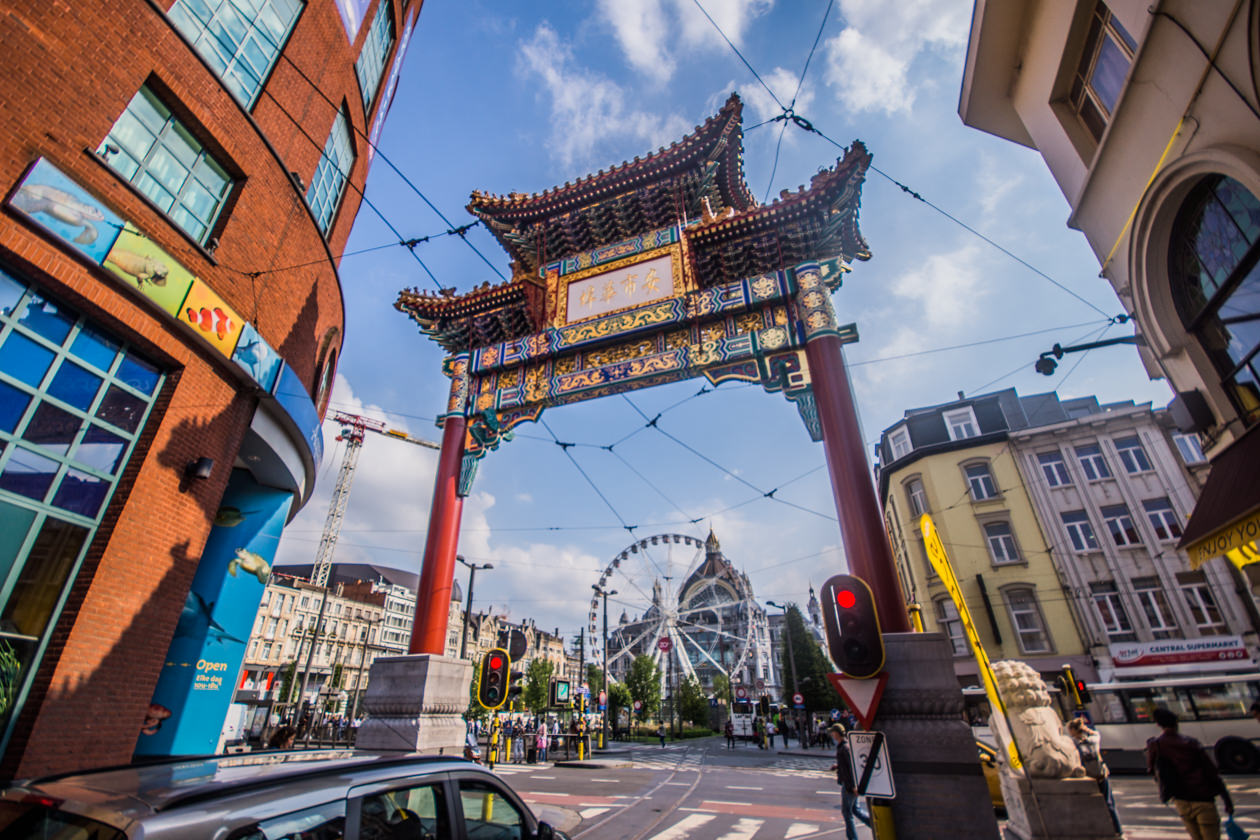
1226, 519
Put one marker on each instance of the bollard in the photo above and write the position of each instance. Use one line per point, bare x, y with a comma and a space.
882, 822
581, 744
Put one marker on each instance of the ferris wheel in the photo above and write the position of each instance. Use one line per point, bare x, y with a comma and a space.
682, 604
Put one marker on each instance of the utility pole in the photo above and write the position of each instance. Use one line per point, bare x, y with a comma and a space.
306, 669
472, 572
603, 732
787, 638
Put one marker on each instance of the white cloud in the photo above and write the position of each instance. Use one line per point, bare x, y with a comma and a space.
588, 109
869, 61
653, 34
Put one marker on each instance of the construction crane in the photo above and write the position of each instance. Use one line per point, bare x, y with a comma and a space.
353, 429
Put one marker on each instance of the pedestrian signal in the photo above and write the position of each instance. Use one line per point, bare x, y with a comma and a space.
852, 625
561, 693
492, 686
514, 684
1082, 691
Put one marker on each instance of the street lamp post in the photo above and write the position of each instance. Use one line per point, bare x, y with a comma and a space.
603, 730
787, 635
472, 573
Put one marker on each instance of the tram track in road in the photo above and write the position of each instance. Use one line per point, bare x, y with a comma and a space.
683, 765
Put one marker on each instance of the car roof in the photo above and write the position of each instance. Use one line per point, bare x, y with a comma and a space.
132, 791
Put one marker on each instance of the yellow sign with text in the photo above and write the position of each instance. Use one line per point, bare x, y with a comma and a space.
1239, 541
940, 562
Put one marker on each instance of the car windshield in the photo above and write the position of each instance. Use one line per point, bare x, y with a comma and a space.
35, 820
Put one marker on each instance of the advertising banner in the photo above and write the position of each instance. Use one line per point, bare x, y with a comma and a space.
51, 200
199, 676
1179, 652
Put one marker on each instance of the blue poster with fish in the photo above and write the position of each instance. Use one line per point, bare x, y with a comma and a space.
60, 206
199, 674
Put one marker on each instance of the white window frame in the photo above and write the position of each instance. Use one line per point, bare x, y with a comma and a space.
958, 421
1027, 620
899, 443
1054, 468
1163, 519
1190, 448
1203, 607
1080, 531
1155, 607
1009, 549
1110, 607
1121, 526
1133, 455
984, 482
950, 624
332, 173
916, 495
1093, 464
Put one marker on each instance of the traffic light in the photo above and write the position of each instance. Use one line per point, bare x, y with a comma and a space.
561, 693
514, 684
852, 625
1082, 691
1074, 687
492, 687
763, 705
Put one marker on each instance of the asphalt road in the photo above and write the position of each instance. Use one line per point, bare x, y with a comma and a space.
698, 790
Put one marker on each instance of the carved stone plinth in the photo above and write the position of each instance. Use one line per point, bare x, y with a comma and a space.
414, 704
1062, 808
936, 770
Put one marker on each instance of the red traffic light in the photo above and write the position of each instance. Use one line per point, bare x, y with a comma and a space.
852, 627
496, 662
846, 598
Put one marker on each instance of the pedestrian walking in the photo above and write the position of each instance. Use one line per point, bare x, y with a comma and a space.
660, 733
1089, 746
540, 743
771, 731
848, 787
1187, 778
730, 735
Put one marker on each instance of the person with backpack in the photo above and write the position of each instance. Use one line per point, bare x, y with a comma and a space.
1187, 778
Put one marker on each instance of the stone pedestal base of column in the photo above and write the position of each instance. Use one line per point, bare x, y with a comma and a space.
1063, 808
936, 770
415, 703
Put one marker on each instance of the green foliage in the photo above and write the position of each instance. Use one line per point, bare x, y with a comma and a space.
537, 683
286, 682
722, 688
594, 677
337, 676
10, 669
693, 705
644, 683
812, 666
475, 710
618, 698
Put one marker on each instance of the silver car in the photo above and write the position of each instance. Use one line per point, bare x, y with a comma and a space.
334, 795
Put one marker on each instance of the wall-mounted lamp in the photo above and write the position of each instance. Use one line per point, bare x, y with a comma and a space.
199, 469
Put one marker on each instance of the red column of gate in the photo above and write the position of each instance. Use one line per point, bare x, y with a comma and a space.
861, 524
433, 598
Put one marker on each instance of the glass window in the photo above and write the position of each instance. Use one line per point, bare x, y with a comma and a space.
1111, 610
159, 155
322, 822
1132, 455
1120, 524
240, 39
1203, 609
1163, 519
1100, 76
980, 482
1190, 448
370, 66
420, 811
488, 815
918, 498
1159, 615
899, 440
1092, 463
1080, 532
57, 466
961, 423
332, 173
1215, 283
1001, 542
1053, 468
1027, 620
948, 621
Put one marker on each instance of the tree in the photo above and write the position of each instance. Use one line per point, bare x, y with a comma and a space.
722, 688
812, 666
644, 683
692, 704
475, 709
618, 698
537, 684
594, 677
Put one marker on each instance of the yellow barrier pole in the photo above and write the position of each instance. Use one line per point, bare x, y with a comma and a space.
882, 822
487, 808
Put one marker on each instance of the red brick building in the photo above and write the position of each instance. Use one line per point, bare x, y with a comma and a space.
179, 180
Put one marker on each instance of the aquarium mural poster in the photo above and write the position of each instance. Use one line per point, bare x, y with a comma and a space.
211, 318
203, 664
140, 263
257, 357
51, 200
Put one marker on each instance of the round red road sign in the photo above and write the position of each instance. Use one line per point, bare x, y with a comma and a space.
761, 685
741, 693
664, 643
798, 698
638, 704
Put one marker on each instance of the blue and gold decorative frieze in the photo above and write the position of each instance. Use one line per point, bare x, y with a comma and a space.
589, 259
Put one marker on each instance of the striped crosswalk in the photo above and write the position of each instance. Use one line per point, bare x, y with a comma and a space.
732, 827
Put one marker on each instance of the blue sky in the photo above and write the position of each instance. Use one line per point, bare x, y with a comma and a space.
498, 97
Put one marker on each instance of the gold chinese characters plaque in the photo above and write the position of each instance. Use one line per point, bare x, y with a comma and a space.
620, 288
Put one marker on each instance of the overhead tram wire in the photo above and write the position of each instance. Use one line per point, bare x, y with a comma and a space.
790, 115
565, 448
390, 164
350, 183
791, 105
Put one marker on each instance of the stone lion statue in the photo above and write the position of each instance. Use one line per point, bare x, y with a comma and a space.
1047, 751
